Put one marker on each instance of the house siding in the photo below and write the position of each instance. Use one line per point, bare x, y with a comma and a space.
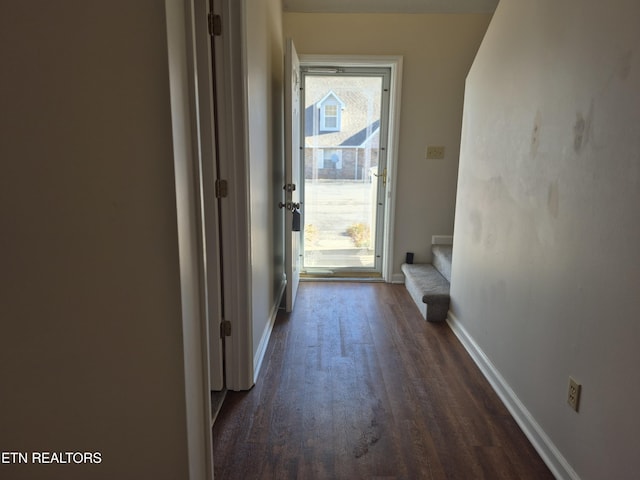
356, 162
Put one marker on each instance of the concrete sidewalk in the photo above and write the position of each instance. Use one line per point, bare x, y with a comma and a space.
330, 208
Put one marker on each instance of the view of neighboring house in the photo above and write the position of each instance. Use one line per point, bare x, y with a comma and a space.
342, 127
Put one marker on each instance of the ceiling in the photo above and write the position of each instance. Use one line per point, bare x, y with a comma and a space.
390, 6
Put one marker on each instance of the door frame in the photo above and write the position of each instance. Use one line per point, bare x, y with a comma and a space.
342, 71
226, 228
234, 210
203, 286
394, 62
183, 58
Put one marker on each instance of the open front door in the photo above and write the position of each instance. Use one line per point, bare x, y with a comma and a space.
293, 180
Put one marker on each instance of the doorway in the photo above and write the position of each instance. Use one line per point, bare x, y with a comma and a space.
344, 139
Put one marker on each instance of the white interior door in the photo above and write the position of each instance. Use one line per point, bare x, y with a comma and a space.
293, 181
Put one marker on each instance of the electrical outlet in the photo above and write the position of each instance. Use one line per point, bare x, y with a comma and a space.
573, 397
435, 153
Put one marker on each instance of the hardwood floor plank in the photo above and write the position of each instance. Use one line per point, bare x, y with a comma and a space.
356, 385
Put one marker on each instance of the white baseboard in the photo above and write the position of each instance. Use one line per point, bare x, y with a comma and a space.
397, 278
538, 438
266, 334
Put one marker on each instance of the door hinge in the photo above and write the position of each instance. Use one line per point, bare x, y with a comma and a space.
225, 328
215, 24
222, 188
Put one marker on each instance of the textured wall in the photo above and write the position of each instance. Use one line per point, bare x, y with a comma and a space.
546, 269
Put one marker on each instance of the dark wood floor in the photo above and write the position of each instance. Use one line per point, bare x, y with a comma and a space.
356, 385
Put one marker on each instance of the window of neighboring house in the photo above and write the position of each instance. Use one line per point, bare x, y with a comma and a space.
330, 117
330, 113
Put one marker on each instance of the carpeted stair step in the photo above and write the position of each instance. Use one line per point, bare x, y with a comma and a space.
429, 290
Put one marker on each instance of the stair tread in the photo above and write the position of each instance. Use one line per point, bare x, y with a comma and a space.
431, 282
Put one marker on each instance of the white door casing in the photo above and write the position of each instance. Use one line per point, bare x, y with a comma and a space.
395, 63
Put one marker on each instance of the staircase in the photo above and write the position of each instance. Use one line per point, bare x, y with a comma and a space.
428, 283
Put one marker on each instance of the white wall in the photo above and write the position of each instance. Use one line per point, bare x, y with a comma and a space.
438, 51
91, 352
546, 263
264, 74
